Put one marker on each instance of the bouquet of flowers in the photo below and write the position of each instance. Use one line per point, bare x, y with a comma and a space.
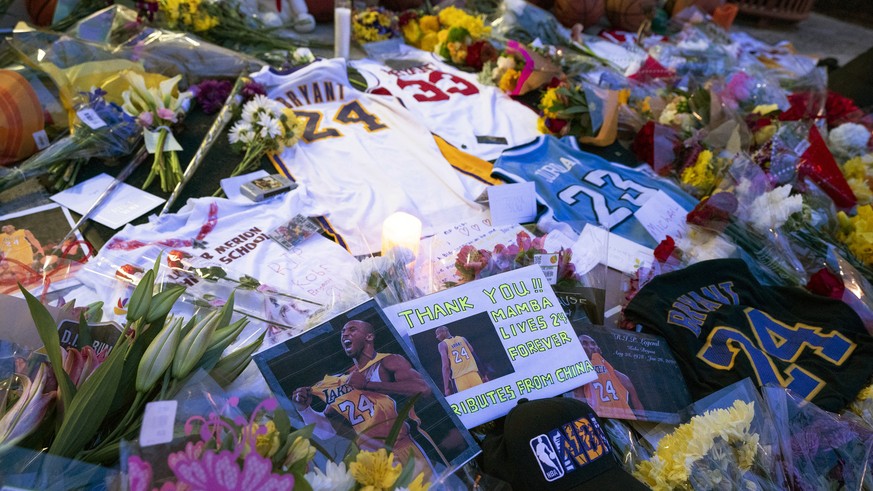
519, 70
718, 449
102, 397
820, 450
157, 109
265, 125
223, 23
102, 130
235, 451
586, 112
455, 35
472, 264
374, 24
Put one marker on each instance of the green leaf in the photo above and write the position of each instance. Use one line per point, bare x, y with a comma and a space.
351, 453
84, 332
283, 423
226, 311
408, 474
399, 422
48, 333
300, 482
84, 417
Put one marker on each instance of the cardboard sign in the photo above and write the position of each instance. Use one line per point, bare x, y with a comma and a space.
493, 341
353, 376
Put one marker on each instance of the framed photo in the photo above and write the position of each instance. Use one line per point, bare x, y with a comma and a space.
353, 378
637, 376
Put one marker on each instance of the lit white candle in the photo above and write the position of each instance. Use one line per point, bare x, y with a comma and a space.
401, 230
342, 28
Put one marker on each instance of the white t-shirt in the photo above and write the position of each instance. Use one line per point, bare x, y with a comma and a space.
235, 237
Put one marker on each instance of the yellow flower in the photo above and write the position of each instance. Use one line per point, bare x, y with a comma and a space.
861, 190
443, 36
418, 484
204, 22
375, 470
508, 80
451, 16
457, 52
865, 394
548, 102
700, 175
429, 24
267, 444
429, 41
412, 33
857, 233
765, 109
646, 105
541, 126
855, 168
301, 450
670, 467
171, 9
765, 134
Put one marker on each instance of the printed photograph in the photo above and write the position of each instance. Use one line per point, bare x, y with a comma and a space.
462, 354
351, 377
623, 360
267, 183
30, 247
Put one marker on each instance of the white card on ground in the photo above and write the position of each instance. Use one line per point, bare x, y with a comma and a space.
125, 204
512, 204
622, 254
158, 422
231, 185
661, 216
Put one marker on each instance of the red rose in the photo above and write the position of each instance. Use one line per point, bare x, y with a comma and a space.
407, 17
665, 249
655, 144
480, 53
714, 212
826, 284
555, 125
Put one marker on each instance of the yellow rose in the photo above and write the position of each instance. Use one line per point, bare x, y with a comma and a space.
429, 24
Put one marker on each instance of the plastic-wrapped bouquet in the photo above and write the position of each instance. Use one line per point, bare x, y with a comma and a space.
157, 109
472, 263
374, 24
103, 130
716, 446
455, 35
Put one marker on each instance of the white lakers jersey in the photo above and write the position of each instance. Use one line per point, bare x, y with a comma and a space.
478, 119
364, 157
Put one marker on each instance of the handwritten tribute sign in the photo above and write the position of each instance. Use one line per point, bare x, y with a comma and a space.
493, 341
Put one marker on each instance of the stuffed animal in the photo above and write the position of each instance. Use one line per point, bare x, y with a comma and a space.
293, 13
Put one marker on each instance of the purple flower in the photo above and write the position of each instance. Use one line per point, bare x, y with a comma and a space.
251, 89
211, 94
167, 114
221, 471
146, 119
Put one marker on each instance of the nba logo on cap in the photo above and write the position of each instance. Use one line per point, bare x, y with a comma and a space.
546, 457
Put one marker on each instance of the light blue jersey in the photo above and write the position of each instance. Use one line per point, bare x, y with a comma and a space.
578, 187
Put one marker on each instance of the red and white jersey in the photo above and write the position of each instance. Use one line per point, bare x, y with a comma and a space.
363, 157
478, 119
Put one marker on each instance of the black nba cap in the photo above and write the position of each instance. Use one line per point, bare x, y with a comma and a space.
555, 444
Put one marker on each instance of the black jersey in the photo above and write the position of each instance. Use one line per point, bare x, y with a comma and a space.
724, 326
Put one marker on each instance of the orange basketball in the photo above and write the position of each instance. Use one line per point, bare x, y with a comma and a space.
628, 15
585, 12
41, 11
